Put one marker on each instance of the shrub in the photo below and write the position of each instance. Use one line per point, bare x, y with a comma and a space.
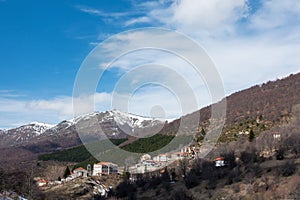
180, 194
191, 180
229, 158
287, 169
125, 189
249, 156
280, 154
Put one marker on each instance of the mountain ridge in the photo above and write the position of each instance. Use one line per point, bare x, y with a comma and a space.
271, 101
111, 121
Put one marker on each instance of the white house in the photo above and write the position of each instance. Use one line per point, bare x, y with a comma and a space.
219, 162
161, 158
276, 136
80, 172
105, 168
179, 155
186, 149
42, 182
151, 163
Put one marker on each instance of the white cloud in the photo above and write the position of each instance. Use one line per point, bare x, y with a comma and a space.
91, 11
207, 15
248, 48
10, 94
97, 12
276, 14
249, 61
159, 50
18, 112
143, 100
63, 105
138, 20
202, 16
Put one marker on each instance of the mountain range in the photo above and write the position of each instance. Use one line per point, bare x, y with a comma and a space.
114, 123
272, 101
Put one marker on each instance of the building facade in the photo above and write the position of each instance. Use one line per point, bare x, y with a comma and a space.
107, 168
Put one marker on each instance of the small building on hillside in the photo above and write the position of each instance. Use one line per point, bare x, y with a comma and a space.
186, 149
179, 155
42, 182
80, 172
107, 168
276, 136
161, 158
220, 162
145, 157
151, 163
89, 170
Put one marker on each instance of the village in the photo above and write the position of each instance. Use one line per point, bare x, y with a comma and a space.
147, 164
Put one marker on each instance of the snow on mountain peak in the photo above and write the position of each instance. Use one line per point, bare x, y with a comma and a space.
84, 117
135, 121
114, 123
37, 128
41, 124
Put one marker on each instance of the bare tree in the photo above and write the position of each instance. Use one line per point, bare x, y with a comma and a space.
249, 178
52, 172
265, 142
183, 167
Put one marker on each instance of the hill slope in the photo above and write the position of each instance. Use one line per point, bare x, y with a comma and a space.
258, 108
271, 102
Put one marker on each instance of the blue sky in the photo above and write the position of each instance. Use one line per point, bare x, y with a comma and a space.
43, 44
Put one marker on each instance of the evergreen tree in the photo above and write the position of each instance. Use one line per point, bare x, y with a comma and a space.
251, 136
126, 176
67, 172
203, 133
200, 135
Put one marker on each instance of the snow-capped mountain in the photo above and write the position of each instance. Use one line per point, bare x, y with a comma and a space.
114, 124
23, 133
132, 124
132, 120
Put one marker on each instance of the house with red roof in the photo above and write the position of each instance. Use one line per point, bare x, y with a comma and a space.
220, 162
80, 172
42, 182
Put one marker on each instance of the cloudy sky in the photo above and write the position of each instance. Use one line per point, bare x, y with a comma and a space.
43, 44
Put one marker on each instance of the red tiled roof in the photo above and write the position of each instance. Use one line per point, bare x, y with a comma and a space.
163, 154
220, 158
79, 169
106, 163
